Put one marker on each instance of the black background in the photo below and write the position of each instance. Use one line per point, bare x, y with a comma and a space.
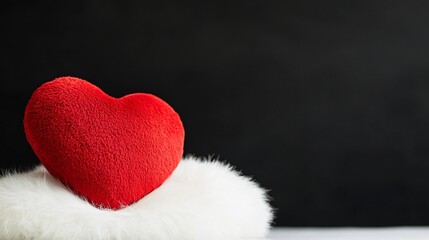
326, 103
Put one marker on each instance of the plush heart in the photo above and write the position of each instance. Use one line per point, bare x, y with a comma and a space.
111, 151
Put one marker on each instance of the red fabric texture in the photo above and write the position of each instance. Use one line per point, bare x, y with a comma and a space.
111, 151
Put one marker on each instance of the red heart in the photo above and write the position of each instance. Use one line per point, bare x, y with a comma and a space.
112, 151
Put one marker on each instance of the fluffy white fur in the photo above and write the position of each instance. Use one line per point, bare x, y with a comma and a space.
200, 200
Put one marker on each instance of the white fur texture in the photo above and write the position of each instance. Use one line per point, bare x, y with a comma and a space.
200, 200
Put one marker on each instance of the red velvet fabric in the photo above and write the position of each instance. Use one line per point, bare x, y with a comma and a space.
111, 151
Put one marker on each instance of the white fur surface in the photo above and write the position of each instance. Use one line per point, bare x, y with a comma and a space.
200, 200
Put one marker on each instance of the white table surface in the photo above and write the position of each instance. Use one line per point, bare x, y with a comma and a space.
394, 233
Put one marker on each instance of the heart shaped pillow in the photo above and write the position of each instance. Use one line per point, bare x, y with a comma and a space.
111, 151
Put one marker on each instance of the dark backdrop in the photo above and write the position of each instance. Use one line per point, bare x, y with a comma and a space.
326, 103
